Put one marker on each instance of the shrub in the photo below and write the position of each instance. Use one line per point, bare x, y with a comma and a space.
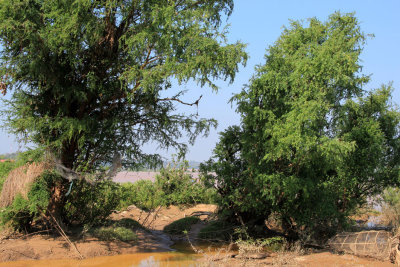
91, 203
179, 188
173, 186
114, 233
144, 194
180, 226
20, 214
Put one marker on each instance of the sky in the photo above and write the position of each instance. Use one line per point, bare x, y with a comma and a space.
258, 23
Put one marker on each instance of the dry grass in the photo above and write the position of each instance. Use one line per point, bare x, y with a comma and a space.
20, 180
287, 257
247, 256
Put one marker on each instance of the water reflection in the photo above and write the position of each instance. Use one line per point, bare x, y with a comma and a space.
163, 259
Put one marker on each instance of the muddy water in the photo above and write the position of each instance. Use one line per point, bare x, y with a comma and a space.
170, 259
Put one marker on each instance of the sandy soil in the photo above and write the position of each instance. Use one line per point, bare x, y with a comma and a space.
47, 247
50, 247
316, 259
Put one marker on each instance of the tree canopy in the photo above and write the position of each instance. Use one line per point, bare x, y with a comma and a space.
89, 78
313, 144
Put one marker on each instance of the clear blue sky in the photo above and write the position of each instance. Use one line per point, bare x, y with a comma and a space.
259, 23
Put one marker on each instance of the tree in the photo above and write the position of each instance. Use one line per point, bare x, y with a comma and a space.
90, 78
312, 144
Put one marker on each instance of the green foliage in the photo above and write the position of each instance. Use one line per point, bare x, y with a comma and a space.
143, 194
114, 233
91, 78
312, 144
91, 203
30, 156
179, 188
123, 230
217, 230
20, 214
173, 186
181, 226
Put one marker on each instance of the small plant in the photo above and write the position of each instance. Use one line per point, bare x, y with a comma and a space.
179, 188
143, 194
22, 212
173, 186
114, 233
180, 226
123, 230
91, 204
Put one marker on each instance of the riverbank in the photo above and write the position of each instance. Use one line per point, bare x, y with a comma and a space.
153, 247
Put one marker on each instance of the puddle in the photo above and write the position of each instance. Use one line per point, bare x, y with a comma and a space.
170, 259
184, 255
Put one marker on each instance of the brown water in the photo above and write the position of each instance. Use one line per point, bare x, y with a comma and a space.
170, 259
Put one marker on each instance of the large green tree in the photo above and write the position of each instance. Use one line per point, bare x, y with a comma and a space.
90, 79
312, 144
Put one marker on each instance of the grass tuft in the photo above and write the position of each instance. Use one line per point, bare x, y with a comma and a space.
110, 233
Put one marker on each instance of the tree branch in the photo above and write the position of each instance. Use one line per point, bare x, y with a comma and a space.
180, 101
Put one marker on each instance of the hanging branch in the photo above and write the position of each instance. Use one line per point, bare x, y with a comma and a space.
180, 101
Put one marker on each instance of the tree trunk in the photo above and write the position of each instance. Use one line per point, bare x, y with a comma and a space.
55, 210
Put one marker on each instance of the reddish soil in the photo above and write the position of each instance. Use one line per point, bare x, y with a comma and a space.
49, 247
44, 247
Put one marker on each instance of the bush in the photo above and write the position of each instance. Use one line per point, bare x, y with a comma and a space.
114, 233
179, 188
91, 203
123, 230
144, 194
173, 186
180, 226
20, 214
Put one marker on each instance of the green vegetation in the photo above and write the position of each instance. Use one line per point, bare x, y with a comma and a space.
91, 203
123, 230
90, 84
114, 233
181, 226
173, 186
22, 212
312, 145
91, 80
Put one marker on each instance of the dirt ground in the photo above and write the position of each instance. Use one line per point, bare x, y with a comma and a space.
39, 247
